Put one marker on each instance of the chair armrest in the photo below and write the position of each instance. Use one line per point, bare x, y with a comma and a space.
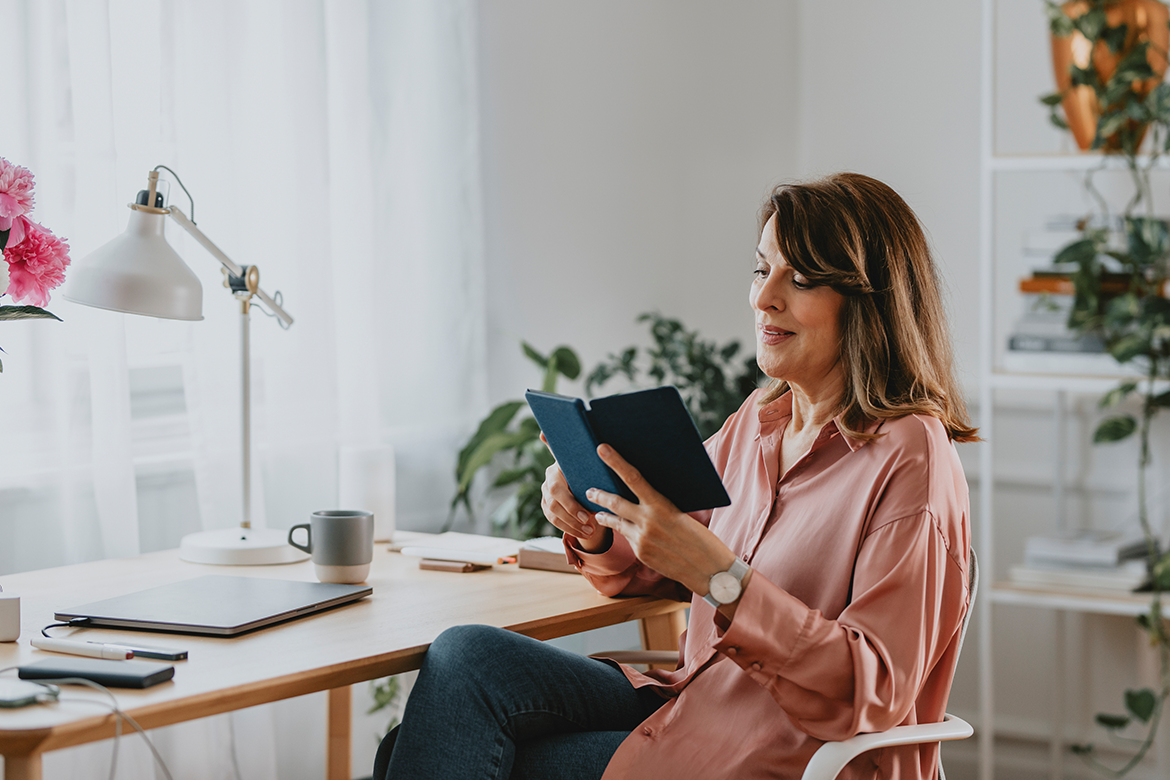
832, 757
664, 657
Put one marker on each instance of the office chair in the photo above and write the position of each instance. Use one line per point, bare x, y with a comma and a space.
832, 757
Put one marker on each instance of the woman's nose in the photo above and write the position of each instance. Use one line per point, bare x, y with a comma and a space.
768, 296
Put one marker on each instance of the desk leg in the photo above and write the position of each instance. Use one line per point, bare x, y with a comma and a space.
661, 632
337, 748
22, 767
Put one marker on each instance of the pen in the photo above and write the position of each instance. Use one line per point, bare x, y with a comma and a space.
88, 649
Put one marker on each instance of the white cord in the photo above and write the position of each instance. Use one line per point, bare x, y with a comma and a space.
121, 716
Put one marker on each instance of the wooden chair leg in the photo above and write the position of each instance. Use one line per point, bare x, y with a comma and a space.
661, 632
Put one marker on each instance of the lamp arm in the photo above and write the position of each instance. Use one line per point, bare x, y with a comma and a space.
233, 269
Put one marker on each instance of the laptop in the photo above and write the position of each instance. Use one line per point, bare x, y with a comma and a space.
216, 605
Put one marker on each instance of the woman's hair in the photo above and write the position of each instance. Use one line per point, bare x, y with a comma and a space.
857, 236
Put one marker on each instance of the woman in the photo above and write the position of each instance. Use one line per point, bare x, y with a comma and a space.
826, 600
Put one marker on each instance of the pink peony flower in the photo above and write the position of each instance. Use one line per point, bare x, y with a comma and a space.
16, 192
36, 265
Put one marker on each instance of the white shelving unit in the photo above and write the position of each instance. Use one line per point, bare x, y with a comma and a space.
992, 379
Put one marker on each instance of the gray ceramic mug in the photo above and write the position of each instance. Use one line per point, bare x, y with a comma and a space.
341, 542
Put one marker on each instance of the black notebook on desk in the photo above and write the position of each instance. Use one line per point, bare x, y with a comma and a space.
651, 429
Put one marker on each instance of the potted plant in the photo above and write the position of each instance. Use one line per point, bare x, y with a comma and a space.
1121, 267
712, 380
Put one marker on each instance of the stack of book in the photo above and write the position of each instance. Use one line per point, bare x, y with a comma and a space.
1041, 340
1087, 560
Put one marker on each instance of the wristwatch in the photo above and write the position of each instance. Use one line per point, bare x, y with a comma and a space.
725, 587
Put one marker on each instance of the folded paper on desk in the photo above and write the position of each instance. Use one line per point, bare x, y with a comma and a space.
471, 548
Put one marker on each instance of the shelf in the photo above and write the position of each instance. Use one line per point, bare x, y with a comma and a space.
1067, 162
1069, 382
1096, 602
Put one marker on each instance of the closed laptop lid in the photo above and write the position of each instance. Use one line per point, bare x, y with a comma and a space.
216, 605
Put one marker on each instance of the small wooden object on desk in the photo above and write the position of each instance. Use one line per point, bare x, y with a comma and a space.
543, 559
456, 566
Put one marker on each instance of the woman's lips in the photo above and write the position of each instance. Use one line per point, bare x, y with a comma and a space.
771, 335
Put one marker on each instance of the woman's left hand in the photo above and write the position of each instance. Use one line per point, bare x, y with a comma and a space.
671, 542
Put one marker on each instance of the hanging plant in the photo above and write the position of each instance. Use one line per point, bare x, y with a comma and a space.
1110, 58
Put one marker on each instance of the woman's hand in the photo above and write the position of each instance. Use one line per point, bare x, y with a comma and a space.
564, 512
671, 542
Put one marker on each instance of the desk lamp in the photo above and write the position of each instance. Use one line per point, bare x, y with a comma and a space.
139, 273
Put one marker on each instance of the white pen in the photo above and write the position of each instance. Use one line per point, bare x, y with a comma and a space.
88, 649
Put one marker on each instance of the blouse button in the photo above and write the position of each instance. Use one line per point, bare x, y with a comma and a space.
732, 650
745, 557
757, 667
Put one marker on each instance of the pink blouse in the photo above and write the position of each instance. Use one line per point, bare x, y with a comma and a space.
850, 623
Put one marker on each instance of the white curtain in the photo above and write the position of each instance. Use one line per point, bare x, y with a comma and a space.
334, 144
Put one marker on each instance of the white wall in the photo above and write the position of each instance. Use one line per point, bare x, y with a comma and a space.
627, 147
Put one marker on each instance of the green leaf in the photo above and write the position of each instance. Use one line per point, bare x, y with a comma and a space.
487, 449
496, 421
1081, 749
533, 355
1161, 577
1162, 399
567, 362
4, 238
1141, 703
1078, 252
1117, 395
1114, 37
1058, 22
511, 476
1112, 722
1052, 100
26, 313
1091, 23
1128, 347
1114, 429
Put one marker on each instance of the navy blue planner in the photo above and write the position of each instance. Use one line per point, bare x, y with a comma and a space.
651, 429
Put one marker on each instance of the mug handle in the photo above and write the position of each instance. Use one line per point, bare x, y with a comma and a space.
308, 545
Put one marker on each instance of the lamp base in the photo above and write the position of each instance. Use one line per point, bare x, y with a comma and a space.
239, 547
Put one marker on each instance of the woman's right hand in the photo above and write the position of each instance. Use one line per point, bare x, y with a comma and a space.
564, 512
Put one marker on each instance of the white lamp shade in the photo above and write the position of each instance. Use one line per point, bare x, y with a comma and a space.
137, 273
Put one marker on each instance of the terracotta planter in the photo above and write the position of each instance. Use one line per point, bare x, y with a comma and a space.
1145, 20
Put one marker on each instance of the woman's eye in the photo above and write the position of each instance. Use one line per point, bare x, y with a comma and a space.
800, 283
760, 272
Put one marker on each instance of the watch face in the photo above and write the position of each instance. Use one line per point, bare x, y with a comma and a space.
725, 588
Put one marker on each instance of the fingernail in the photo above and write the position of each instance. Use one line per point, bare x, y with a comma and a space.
591, 493
584, 517
587, 530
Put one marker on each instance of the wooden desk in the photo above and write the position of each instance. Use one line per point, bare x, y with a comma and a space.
382, 635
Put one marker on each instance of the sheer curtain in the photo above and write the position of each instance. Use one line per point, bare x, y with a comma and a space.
333, 143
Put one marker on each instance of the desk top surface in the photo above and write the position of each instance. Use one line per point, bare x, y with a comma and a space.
384, 634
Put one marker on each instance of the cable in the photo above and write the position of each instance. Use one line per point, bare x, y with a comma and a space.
72, 623
180, 181
279, 299
120, 716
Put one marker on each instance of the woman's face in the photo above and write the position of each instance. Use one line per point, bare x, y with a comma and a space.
798, 326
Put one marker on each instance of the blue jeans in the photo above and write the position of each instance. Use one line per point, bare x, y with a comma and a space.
489, 703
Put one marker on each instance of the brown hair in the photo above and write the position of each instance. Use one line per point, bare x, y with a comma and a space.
857, 236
